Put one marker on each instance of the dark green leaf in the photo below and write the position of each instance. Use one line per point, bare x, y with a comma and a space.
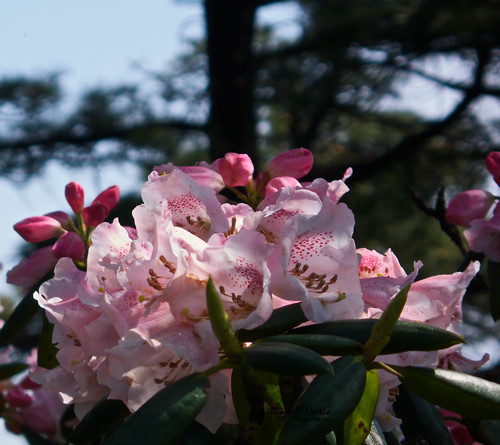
383, 327
358, 425
322, 344
99, 421
489, 431
23, 313
286, 358
165, 417
7, 370
47, 351
462, 393
281, 320
407, 336
240, 398
494, 288
421, 418
326, 402
258, 404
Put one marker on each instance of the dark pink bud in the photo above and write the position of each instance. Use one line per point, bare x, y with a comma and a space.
493, 165
39, 228
32, 269
95, 214
69, 245
18, 398
75, 196
469, 205
62, 217
295, 163
109, 197
236, 169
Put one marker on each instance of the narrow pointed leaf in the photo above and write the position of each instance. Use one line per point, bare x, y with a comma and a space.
358, 425
281, 320
164, 418
8, 370
286, 358
462, 393
322, 344
494, 288
326, 402
421, 418
407, 336
221, 325
383, 327
100, 420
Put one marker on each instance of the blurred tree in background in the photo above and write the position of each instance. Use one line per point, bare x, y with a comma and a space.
246, 88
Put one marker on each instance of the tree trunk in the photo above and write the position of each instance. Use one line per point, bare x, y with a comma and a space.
229, 30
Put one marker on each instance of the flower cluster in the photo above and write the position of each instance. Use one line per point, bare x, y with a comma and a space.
479, 213
135, 319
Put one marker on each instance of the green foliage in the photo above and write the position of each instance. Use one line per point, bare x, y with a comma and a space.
166, 416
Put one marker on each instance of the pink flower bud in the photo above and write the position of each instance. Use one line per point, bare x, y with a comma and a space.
75, 196
295, 163
62, 217
236, 169
69, 245
469, 205
108, 198
204, 176
32, 269
95, 214
39, 228
493, 162
280, 182
18, 398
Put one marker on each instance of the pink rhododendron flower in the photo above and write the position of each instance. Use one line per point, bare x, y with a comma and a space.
191, 206
469, 205
39, 228
319, 265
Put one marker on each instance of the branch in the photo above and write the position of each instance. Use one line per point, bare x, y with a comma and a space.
414, 141
68, 137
